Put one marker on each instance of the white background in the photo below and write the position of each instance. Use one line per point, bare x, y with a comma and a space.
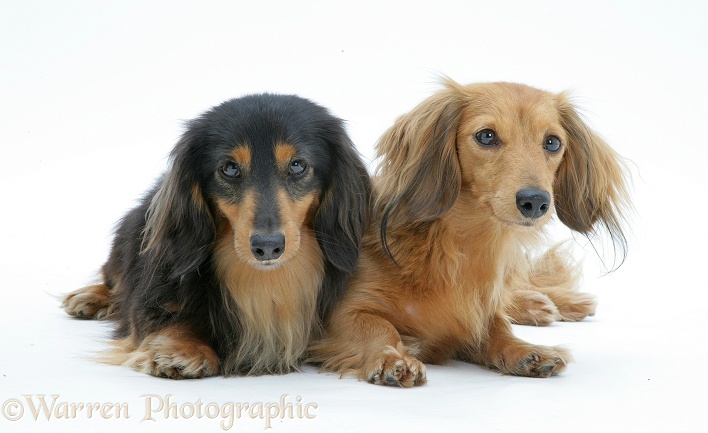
92, 99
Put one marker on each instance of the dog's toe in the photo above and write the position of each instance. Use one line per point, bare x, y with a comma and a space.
397, 368
92, 302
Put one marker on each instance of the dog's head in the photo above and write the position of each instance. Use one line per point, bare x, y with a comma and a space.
264, 168
514, 151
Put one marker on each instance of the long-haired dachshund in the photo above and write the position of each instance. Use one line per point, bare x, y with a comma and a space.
231, 263
466, 182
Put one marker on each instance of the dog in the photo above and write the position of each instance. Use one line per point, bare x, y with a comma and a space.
465, 184
234, 259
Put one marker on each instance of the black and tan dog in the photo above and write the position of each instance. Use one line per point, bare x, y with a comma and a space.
230, 264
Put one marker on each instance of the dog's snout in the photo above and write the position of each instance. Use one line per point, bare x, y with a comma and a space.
533, 203
267, 247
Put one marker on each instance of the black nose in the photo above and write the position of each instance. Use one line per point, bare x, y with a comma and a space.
533, 203
267, 247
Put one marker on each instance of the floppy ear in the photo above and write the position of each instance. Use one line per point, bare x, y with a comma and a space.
590, 189
343, 213
342, 219
420, 170
179, 227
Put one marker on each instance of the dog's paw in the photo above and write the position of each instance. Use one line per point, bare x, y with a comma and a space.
92, 302
533, 361
529, 307
576, 306
174, 354
395, 367
175, 365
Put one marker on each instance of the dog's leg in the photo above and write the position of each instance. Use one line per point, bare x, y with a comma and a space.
370, 347
91, 302
542, 306
573, 306
173, 352
511, 355
556, 276
547, 292
529, 307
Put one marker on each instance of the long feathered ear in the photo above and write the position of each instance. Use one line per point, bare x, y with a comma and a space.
179, 227
343, 213
590, 190
342, 219
419, 170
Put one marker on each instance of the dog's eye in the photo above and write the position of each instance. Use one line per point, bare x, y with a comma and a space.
231, 169
486, 137
297, 167
552, 144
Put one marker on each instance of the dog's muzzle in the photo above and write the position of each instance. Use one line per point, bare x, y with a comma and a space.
533, 203
267, 247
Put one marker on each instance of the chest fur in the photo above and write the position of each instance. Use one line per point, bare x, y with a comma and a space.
276, 309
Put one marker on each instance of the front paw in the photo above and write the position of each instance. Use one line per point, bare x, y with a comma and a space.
395, 367
533, 361
174, 354
92, 302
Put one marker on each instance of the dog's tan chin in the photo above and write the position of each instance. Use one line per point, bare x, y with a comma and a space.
267, 265
521, 223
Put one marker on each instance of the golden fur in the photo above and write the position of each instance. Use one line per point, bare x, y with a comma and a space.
447, 264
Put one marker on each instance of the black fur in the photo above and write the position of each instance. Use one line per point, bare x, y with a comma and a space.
162, 253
